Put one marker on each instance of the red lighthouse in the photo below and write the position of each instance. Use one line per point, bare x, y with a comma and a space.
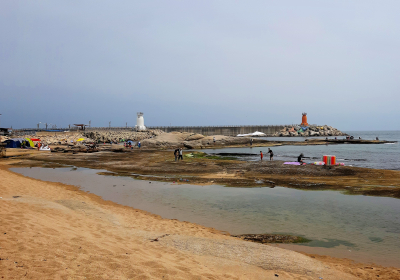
304, 120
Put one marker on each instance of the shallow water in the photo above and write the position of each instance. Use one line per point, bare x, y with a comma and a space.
379, 156
362, 228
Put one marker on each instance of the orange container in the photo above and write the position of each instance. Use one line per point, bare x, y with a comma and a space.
329, 160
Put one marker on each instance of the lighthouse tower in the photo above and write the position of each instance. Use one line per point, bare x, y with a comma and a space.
304, 120
140, 122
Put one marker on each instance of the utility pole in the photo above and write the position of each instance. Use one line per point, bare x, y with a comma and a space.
46, 125
109, 125
126, 125
0, 115
90, 123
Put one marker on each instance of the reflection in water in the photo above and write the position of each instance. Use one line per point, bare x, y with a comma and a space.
359, 227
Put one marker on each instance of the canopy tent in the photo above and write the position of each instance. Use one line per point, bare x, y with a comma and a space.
30, 142
255, 134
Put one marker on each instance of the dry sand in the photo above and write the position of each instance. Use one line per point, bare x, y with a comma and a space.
55, 231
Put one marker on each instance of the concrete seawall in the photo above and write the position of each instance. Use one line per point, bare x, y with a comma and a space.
204, 130
222, 130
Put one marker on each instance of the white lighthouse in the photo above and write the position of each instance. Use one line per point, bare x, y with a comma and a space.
140, 122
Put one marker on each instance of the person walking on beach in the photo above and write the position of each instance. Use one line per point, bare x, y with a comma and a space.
176, 153
139, 144
214, 140
271, 154
180, 154
261, 155
251, 141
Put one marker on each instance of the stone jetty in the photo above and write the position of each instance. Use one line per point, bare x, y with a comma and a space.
310, 131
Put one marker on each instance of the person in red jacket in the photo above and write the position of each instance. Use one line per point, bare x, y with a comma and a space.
261, 155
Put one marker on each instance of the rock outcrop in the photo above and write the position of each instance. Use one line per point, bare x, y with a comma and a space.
118, 136
312, 130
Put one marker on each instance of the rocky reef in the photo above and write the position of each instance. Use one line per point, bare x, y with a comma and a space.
312, 130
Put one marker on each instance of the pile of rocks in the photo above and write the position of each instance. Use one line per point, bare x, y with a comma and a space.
96, 136
191, 140
60, 139
118, 136
312, 130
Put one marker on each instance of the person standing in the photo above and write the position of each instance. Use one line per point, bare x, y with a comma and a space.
139, 144
251, 141
176, 153
271, 154
214, 140
299, 158
180, 154
261, 155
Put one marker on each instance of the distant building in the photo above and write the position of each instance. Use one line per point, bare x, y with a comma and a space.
4, 131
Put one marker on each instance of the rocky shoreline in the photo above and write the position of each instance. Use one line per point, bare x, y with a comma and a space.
94, 141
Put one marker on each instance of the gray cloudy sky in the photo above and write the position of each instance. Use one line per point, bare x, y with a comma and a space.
200, 62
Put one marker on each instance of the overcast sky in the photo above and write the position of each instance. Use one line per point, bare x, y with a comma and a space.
200, 62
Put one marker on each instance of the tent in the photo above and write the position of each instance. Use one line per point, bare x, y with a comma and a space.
30, 142
15, 142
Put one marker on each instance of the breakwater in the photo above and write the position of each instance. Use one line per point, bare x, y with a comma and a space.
222, 130
270, 130
233, 130
204, 130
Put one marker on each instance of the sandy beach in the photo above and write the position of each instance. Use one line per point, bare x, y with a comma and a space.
56, 231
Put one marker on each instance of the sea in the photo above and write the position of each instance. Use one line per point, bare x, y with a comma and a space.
378, 156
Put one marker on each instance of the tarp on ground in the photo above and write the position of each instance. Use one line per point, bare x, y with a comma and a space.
257, 133
35, 139
80, 139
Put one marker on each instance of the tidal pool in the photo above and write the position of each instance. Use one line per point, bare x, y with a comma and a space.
362, 228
